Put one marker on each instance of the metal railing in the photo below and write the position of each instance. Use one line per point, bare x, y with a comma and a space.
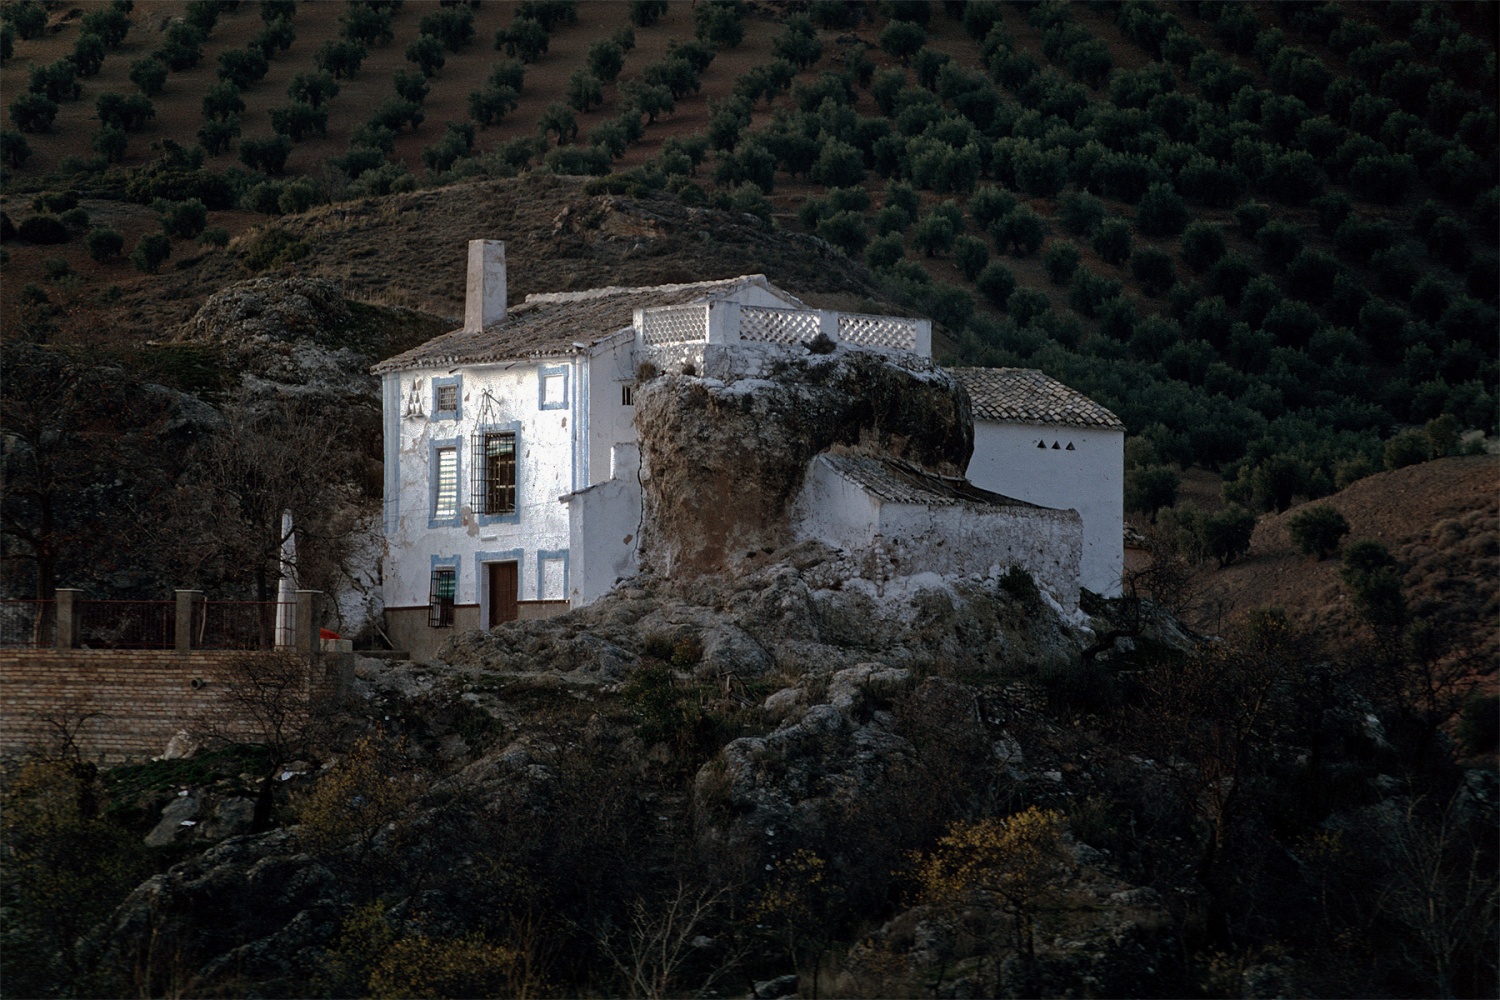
243, 625
27, 624
126, 624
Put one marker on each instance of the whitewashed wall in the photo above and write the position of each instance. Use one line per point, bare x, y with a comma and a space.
1089, 479
607, 421
885, 540
547, 460
605, 529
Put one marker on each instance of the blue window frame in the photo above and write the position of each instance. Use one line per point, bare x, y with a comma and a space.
448, 398
445, 478
552, 387
496, 456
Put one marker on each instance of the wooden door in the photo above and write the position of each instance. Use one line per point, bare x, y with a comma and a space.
505, 582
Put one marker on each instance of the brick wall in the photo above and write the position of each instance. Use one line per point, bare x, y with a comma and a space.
126, 704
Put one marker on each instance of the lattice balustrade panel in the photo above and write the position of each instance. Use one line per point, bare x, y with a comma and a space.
777, 326
674, 324
878, 331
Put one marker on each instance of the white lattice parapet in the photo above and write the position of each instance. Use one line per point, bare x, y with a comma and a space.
778, 326
674, 324
878, 331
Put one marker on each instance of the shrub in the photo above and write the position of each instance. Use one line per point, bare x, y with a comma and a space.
1310, 276
1279, 241
313, 88
14, 149
151, 251
103, 244
426, 53
996, 283
884, 251
341, 58
297, 196
410, 87
1407, 448
1229, 277
971, 255
1318, 530
453, 26
1112, 241
1226, 535
577, 161
1080, 213
492, 103
1152, 269
266, 155
243, 67
149, 74
1021, 232
838, 165
1027, 304
1161, 212
216, 236
845, 230
1202, 245
33, 112
526, 39
1251, 217
902, 39
645, 13
215, 135
43, 230
277, 36
933, 234
29, 18
1150, 488
181, 48
393, 112
1061, 260
366, 25
717, 22
605, 60
798, 44
298, 121
181, 219
221, 100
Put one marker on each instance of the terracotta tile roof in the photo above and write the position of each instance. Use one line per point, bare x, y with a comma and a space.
1026, 396
899, 482
557, 323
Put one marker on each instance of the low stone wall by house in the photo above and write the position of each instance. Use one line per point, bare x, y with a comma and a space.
120, 705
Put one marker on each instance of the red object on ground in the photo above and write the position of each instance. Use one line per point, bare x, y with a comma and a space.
328, 633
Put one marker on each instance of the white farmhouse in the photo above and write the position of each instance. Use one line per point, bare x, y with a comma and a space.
1035, 439
512, 466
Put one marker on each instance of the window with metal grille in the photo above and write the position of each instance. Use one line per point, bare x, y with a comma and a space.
445, 497
495, 472
441, 596
627, 395
447, 400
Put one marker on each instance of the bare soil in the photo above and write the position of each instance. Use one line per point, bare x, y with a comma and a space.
1440, 519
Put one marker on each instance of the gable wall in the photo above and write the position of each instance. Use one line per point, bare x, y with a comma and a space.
548, 455
1089, 479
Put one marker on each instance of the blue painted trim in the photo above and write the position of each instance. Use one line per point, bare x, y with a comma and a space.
541, 556
512, 427
390, 411
543, 372
482, 579
457, 413
457, 520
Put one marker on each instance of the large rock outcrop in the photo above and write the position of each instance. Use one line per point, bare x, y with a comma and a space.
724, 460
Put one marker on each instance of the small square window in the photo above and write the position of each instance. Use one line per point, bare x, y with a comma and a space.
447, 399
554, 391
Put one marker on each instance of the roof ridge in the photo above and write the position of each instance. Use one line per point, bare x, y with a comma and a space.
609, 291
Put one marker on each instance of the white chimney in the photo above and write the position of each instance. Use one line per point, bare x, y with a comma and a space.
484, 302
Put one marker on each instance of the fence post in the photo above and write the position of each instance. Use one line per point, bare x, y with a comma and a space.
187, 603
67, 617
309, 606
828, 324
